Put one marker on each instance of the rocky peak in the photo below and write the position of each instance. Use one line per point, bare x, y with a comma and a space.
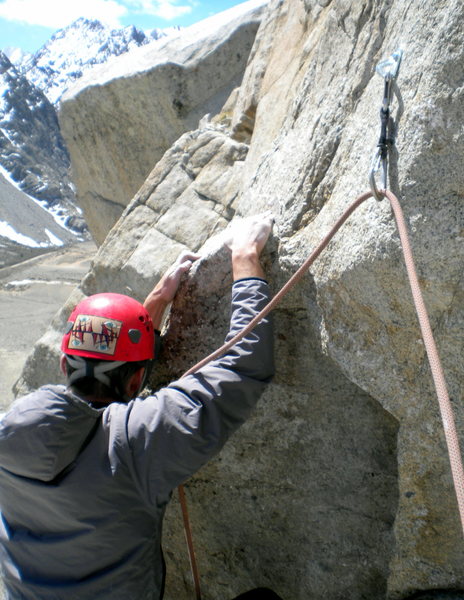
16, 55
73, 50
5, 63
32, 149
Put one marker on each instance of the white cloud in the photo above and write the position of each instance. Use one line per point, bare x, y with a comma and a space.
165, 9
58, 13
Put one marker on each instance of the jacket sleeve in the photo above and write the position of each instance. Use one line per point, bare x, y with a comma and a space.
174, 432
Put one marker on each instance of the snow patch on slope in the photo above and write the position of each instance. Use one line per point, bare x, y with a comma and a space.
26, 221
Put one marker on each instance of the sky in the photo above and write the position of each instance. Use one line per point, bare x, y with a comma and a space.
28, 24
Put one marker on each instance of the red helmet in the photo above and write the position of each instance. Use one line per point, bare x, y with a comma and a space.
110, 327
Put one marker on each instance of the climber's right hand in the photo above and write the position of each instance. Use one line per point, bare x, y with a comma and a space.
246, 239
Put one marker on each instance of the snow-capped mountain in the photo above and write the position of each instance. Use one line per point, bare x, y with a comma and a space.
32, 151
16, 55
31, 147
75, 49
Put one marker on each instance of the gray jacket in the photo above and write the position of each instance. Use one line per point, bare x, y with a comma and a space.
83, 491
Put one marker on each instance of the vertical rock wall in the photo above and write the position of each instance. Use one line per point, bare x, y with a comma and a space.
325, 106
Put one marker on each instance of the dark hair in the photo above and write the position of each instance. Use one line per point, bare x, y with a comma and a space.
119, 377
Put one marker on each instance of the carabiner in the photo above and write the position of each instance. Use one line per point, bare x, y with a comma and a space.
378, 162
388, 69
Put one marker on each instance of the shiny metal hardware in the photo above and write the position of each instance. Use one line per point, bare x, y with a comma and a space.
388, 69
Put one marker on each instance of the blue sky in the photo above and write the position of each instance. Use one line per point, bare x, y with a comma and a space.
28, 24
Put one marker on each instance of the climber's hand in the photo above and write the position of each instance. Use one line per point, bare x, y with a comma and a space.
246, 239
249, 234
164, 291
169, 283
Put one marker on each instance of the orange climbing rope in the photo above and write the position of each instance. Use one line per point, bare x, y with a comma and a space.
446, 410
189, 540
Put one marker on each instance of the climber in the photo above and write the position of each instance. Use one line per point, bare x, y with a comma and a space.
87, 470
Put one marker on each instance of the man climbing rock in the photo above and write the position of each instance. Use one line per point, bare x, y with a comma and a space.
87, 469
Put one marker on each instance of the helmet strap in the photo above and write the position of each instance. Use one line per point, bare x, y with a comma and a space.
84, 368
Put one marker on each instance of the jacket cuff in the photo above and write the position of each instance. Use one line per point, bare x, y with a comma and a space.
251, 279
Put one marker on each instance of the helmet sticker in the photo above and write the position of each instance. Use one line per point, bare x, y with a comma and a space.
94, 334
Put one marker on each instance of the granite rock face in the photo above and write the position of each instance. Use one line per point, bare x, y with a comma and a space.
120, 119
340, 485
